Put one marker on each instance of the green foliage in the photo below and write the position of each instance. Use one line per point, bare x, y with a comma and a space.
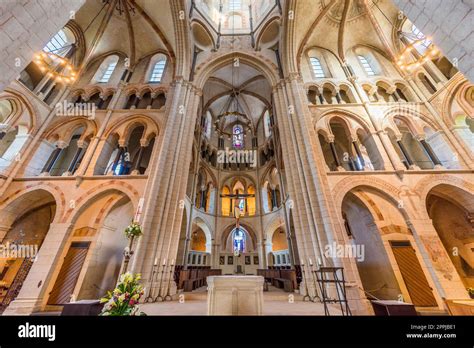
133, 230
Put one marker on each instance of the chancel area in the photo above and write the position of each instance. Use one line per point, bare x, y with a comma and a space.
314, 157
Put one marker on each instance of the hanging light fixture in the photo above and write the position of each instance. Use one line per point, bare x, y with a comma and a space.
406, 60
409, 61
59, 68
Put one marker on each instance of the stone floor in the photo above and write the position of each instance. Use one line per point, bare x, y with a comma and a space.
276, 302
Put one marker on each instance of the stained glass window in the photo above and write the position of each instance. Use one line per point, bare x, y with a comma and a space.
238, 136
239, 240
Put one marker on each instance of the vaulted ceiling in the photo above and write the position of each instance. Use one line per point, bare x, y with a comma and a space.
337, 25
136, 28
252, 91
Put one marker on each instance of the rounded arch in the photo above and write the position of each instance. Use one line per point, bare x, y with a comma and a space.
228, 230
84, 200
33, 197
201, 34
267, 67
124, 126
424, 186
266, 31
346, 185
21, 107
50, 188
65, 130
203, 225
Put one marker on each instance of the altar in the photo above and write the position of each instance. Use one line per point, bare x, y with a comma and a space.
235, 295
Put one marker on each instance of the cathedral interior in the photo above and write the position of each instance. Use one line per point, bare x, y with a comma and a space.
246, 137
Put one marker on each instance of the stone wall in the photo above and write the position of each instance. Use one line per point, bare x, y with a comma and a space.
450, 25
26, 26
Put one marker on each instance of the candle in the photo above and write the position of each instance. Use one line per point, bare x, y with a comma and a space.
302, 262
310, 262
172, 262
164, 262
319, 261
156, 261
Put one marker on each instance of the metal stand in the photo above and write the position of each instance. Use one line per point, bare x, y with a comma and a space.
307, 296
160, 298
316, 296
168, 295
340, 285
149, 298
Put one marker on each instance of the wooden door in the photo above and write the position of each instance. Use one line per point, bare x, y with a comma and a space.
69, 273
420, 291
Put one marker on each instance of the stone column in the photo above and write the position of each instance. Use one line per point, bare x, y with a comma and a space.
53, 158
162, 218
81, 146
390, 157
437, 163
315, 215
143, 145
335, 156
406, 154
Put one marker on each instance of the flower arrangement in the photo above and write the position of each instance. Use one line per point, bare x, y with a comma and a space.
123, 300
133, 230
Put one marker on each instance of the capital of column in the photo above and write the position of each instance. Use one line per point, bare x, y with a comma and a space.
82, 144
61, 144
144, 142
420, 137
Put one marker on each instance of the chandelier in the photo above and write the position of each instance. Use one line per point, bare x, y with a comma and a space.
408, 61
56, 67
227, 112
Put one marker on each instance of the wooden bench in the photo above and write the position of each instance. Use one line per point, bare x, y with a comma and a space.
284, 284
195, 277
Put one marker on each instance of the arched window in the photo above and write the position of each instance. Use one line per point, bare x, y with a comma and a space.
208, 125
267, 124
108, 72
61, 43
106, 69
366, 65
238, 240
235, 5
317, 68
422, 45
159, 65
238, 136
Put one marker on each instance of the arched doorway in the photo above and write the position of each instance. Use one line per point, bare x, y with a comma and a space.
389, 265
280, 254
451, 210
27, 221
93, 255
